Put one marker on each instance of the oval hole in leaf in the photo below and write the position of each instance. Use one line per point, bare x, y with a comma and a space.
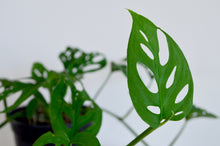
171, 78
2, 89
154, 109
37, 72
45, 74
97, 58
178, 113
78, 54
163, 51
78, 86
143, 73
182, 94
0, 83
63, 58
67, 97
88, 103
147, 51
145, 37
68, 53
91, 67
26, 80
74, 70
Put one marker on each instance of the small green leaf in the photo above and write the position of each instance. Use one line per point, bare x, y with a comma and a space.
27, 91
39, 72
77, 62
85, 139
49, 138
143, 50
197, 112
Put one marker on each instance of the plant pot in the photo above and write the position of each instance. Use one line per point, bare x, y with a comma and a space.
26, 134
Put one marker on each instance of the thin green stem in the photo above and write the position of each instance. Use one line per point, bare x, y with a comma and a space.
147, 132
6, 107
102, 86
178, 134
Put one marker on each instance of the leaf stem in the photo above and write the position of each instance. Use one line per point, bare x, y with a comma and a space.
178, 134
102, 86
148, 131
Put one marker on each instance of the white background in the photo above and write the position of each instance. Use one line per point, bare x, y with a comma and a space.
39, 30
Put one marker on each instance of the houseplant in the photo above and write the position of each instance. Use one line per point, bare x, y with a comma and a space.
69, 115
154, 108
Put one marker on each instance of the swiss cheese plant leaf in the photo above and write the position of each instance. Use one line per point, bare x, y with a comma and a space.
39, 72
88, 120
91, 117
11, 87
85, 139
197, 112
77, 62
143, 50
50, 138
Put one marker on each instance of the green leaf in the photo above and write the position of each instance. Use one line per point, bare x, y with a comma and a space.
197, 112
49, 138
85, 139
77, 62
27, 91
39, 72
144, 34
92, 116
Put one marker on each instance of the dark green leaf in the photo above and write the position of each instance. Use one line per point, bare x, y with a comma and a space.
27, 91
77, 62
49, 138
85, 139
39, 72
197, 112
144, 34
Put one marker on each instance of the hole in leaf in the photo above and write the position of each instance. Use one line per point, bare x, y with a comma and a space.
97, 58
88, 103
37, 72
178, 113
63, 58
164, 51
78, 54
74, 70
182, 94
26, 80
145, 37
91, 67
143, 73
171, 78
0, 83
67, 97
162, 121
154, 109
147, 51
2, 89
78, 86
68, 53
45, 74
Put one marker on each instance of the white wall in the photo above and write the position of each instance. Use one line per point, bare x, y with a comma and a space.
38, 30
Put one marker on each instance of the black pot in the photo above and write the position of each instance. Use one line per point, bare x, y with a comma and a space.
26, 134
